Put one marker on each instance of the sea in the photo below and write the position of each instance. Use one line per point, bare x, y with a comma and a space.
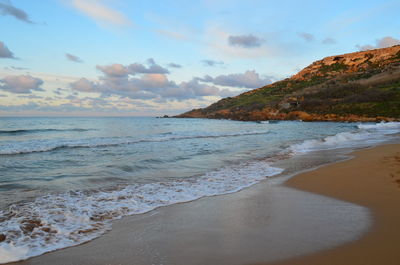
63, 180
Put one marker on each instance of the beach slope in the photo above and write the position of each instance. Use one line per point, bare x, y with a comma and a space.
371, 179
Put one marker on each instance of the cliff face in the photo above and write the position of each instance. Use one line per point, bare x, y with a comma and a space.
360, 86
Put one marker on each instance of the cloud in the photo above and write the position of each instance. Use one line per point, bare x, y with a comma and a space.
217, 40
230, 93
6, 8
152, 82
306, 36
44, 108
249, 79
102, 14
139, 88
5, 52
119, 70
144, 83
59, 91
174, 65
365, 47
191, 89
20, 84
18, 68
212, 63
328, 41
30, 96
380, 43
172, 34
73, 58
83, 85
113, 70
245, 41
153, 68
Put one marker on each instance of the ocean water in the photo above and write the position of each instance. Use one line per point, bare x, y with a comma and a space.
64, 180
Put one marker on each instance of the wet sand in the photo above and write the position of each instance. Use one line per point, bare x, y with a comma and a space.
371, 179
269, 222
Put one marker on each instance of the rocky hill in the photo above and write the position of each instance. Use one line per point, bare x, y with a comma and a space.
360, 86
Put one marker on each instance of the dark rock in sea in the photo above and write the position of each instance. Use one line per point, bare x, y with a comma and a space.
2, 237
160, 117
29, 225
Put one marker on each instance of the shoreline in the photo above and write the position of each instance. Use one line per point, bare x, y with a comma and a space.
274, 211
371, 178
294, 116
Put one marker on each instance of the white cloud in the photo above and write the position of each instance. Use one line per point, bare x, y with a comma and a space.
173, 34
20, 84
153, 68
137, 81
102, 14
5, 52
83, 85
387, 42
113, 70
119, 70
380, 43
249, 79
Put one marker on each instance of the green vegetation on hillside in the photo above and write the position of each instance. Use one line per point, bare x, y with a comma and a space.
366, 84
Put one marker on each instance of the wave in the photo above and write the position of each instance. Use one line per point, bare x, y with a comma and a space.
28, 131
25, 147
366, 134
380, 126
340, 140
57, 221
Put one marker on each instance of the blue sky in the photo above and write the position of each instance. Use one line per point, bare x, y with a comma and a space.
119, 57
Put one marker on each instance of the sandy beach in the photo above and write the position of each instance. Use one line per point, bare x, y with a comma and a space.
343, 213
371, 179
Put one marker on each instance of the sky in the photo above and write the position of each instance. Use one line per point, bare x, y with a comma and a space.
151, 58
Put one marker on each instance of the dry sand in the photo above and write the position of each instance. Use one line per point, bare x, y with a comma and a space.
371, 179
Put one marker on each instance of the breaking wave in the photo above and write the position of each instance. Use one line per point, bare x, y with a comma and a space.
57, 221
367, 134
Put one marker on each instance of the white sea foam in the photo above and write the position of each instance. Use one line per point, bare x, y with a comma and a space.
11, 253
44, 145
366, 134
387, 126
58, 221
340, 140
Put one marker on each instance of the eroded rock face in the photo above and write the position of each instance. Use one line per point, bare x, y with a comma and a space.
360, 86
270, 114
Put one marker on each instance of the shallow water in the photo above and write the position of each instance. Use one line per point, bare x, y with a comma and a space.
63, 180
